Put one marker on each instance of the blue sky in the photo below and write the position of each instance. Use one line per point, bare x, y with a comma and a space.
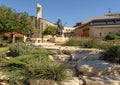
69, 11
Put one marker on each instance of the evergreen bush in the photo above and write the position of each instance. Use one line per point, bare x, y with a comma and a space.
35, 65
112, 54
46, 70
91, 43
84, 42
18, 49
103, 45
73, 42
112, 36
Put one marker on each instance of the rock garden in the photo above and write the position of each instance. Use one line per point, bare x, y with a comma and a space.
21, 64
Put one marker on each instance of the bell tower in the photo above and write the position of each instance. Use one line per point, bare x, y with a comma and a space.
39, 11
38, 19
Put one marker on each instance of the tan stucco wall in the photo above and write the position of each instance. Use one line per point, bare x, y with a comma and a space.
96, 30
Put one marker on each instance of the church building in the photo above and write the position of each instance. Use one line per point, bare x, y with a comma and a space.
39, 22
98, 26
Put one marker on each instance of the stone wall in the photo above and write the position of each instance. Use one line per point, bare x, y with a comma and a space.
96, 30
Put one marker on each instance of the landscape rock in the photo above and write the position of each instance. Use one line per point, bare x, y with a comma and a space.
103, 80
71, 64
3, 79
62, 58
51, 57
74, 81
42, 82
85, 56
70, 72
2, 83
97, 67
88, 51
67, 52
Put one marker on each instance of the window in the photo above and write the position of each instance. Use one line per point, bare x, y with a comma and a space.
98, 23
117, 22
110, 23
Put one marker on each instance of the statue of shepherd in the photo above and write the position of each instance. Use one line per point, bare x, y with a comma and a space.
59, 27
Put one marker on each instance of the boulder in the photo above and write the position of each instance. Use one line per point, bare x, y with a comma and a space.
62, 58
96, 67
70, 73
67, 52
2, 83
88, 51
71, 64
42, 82
51, 57
3, 79
73, 81
78, 56
103, 80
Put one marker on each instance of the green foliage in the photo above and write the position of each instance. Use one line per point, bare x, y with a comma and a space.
18, 49
112, 36
88, 43
91, 43
118, 34
46, 70
16, 77
73, 42
26, 25
5, 21
3, 49
3, 61
11, 21
112, 54
83, 42
50, 30
104, 45
33, 66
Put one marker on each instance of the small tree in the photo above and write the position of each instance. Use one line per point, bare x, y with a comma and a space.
12, 21
50, 30
110, 36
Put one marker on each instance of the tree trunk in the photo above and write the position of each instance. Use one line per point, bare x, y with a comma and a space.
0, 39
12, 38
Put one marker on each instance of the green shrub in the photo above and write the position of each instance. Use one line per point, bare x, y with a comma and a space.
3, 55
103, 45
88, 43
3, 49
17, 68
112, 36
18, 49
37, 69
82, 41
91, 43
73, 42
118, 34
112, 54
46, 70
3, 62
16, 77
